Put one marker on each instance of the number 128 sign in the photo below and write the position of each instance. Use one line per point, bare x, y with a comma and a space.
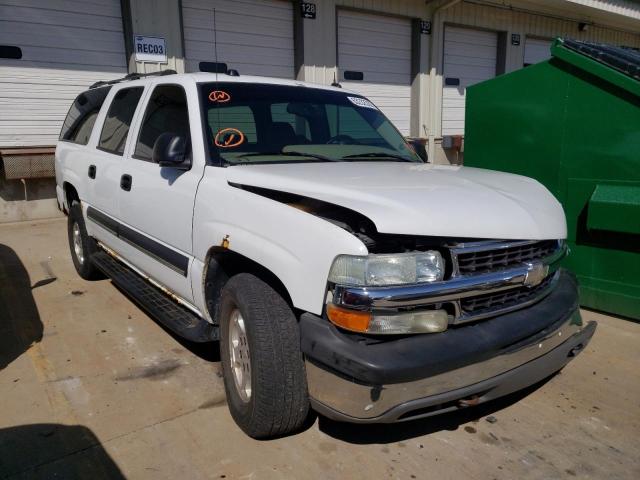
308, 10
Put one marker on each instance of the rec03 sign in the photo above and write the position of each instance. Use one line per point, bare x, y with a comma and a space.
149, 49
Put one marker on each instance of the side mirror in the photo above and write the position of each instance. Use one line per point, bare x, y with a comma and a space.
170, 150
419, 146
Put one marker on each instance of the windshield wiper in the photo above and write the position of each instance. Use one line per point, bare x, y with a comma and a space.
378, 155
288, 154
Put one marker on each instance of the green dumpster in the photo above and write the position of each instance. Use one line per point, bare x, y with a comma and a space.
573, 123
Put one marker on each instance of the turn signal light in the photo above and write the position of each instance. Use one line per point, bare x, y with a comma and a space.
417, 321
353, 320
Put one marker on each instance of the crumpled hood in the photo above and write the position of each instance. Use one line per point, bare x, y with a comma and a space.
421, 199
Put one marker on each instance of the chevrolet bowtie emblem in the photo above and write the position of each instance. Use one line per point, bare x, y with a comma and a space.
536, 273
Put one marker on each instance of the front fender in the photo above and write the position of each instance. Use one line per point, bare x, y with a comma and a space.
296, 246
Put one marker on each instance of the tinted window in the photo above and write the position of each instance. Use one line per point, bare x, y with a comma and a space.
347, 121
240, 118
166, 113
116, 125
259, 123
82, 115
300, 125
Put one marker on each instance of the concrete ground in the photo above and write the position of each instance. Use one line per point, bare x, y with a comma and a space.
91, 387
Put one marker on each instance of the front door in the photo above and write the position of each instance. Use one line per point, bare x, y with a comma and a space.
156, 203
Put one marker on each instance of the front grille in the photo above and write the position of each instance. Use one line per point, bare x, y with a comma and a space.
506, 299
483, 261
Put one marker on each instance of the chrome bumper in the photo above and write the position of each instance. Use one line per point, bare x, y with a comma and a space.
455, 289
342, 399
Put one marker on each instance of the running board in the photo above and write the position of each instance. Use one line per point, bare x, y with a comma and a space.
157, 303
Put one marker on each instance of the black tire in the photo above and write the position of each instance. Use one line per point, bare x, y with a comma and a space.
279, 402
84, 266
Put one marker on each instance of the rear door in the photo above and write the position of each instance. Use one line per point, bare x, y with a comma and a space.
254, 37
60, 47
536, 50
470, 57
156, 203
102, 161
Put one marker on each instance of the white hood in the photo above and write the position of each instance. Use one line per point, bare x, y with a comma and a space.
420, 199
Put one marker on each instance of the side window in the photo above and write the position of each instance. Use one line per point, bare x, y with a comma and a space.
118, 120
82, 116
166, 112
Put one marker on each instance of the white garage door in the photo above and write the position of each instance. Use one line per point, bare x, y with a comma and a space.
380, 48
470, 57
536, 51
66, 46
254, 37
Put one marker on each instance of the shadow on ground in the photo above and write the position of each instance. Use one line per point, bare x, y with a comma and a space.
208, 351
395, 432
20, 324
50, 450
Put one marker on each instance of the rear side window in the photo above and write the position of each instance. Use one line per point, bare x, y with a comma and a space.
166, 112
82, 116
116, 125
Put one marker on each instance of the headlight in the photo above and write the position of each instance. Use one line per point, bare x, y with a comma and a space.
387, 269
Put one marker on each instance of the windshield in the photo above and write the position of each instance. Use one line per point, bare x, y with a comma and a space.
250, 123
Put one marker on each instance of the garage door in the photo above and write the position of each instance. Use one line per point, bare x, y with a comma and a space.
66, 46
254, 37
470, 56
378, 48
536, 51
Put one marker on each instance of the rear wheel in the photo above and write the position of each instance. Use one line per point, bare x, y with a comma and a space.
262, 363
81, 245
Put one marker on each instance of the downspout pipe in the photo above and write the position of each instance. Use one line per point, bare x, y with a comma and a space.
432, 95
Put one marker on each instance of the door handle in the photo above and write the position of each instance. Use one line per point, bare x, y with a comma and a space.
92, 171
125, 182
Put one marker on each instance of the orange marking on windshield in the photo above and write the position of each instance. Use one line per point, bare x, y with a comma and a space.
229, 138
219, 96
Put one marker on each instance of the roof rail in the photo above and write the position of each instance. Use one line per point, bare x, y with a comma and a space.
133, 76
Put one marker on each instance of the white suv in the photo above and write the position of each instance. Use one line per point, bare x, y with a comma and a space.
293, 223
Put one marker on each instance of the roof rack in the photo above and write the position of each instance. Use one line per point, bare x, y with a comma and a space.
133, 76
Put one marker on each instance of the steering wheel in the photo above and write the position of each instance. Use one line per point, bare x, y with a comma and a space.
342, 140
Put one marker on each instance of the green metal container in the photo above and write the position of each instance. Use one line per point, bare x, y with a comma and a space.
573, 123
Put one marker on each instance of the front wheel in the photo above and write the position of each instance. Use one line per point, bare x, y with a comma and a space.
264, 374
81, 245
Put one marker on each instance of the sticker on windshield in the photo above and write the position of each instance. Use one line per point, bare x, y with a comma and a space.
219, 96
362, 102
229, 138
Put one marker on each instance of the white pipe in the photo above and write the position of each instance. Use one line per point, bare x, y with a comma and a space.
432, 138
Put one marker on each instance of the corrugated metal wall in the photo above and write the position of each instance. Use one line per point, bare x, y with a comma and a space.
318, 44
529, 24
158, 18
66, 46
507, 20
254, 37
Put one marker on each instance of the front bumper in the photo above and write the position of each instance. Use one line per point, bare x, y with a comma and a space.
423, 375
